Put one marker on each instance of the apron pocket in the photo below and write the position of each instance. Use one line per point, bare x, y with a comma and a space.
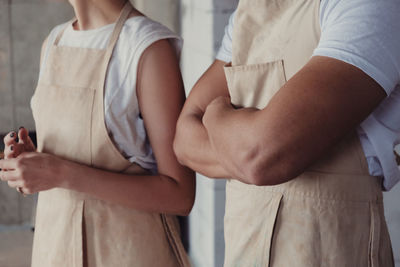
75, 106
250, 218
254, 85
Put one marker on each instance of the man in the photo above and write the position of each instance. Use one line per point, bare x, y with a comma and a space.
304, 122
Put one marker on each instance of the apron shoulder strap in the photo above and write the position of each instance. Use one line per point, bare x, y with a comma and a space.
118, 26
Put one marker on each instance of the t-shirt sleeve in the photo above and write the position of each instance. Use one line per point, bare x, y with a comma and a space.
364, 33
225, 51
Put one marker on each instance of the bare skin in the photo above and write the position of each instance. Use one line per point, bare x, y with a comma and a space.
192, 145
312, 111
92, 14
170, 191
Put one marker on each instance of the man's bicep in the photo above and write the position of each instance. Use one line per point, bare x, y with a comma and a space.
211, 85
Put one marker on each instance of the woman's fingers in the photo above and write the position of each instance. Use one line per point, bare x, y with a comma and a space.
10, 139
13, 151
7, 176
9, 152
8, 164
13, 148
19, 186
23, 135
15, 183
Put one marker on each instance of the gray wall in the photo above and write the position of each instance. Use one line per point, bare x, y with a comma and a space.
23, 27
165, 11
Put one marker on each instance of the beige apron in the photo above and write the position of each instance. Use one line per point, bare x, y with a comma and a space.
75, 229
331, 215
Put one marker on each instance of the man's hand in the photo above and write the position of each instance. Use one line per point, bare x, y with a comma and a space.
218, 108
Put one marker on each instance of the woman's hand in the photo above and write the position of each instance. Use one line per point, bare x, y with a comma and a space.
32, 172
12, 148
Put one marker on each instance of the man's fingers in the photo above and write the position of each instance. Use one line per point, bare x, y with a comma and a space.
9, 139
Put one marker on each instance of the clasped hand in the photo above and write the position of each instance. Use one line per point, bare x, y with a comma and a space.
26, 169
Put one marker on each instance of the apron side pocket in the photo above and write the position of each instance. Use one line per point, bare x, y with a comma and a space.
250, 220
375, 226
272, 227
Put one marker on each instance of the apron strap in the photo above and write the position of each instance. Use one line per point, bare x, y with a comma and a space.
118, 26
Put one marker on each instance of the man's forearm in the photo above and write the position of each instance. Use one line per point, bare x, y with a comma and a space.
231, 136
193, 148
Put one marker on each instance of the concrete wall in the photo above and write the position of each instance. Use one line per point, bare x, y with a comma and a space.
164, 11
23, 27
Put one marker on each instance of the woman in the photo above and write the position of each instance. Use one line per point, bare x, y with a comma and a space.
106, 92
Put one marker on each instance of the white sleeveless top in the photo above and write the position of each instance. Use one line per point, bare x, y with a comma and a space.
122, 114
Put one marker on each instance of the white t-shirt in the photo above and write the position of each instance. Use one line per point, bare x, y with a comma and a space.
122, 114
366, 34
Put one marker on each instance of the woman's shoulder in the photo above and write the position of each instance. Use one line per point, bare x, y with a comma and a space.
143, 31
143, 25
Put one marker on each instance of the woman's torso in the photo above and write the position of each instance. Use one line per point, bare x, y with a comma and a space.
122, 113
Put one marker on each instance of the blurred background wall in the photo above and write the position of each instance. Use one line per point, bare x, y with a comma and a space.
24, 24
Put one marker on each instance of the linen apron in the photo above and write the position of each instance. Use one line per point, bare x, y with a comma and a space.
74, 229
332, 214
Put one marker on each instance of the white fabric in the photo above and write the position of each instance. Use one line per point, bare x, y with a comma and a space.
122, 114
366, 34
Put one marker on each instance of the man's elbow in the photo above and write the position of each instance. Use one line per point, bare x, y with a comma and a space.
267, 170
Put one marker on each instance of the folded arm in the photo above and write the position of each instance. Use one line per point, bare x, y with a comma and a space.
192, 145
310, 113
